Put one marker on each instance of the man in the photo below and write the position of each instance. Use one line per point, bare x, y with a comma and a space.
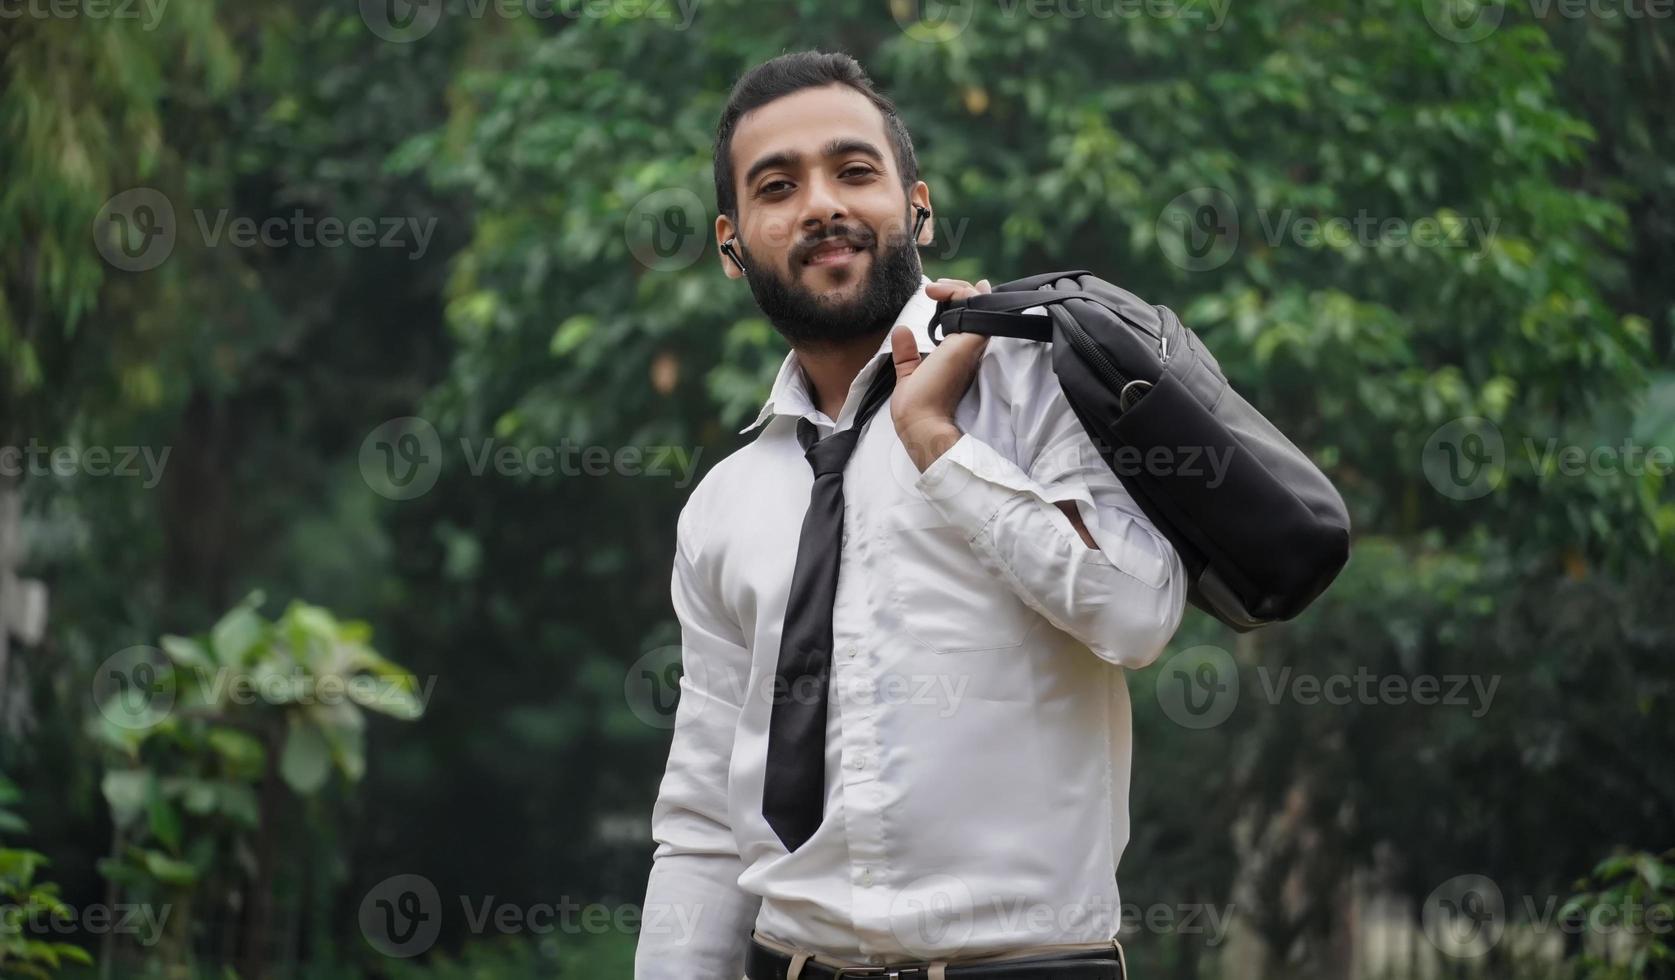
903, 731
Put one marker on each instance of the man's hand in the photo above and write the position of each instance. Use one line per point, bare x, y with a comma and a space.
929, 387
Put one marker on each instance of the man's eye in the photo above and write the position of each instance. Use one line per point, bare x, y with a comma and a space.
768, 188
857, 169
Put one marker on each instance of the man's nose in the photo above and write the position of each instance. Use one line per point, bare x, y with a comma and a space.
822, 205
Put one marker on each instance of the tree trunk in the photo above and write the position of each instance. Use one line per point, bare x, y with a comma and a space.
259, 907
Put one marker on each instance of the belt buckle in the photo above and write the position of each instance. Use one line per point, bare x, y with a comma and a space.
880, 972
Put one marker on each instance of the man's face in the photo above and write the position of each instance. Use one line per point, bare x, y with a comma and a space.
824, 221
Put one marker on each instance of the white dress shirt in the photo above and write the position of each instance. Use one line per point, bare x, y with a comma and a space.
977, 741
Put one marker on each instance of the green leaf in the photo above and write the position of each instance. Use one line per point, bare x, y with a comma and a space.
242, 753
188, 653
571, 334
196, 795
238, 802
168, 870
127, 791
73, 953
306, 761
164, 818
236, 635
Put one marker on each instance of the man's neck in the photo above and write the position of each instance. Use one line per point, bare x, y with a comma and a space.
829, 371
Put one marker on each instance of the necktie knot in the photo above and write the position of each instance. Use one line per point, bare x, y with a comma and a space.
832, 453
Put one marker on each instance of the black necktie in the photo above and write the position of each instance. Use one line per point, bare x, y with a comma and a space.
795, 789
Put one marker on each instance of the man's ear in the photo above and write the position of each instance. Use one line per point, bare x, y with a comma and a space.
921, 196
725, 233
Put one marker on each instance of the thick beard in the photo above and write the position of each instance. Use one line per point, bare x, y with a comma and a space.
808, 322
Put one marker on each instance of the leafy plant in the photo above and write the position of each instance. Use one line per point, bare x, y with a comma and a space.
1635, 895
24, 900
209, 734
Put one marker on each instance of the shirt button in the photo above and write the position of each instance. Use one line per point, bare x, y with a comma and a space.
859, 763
866, 876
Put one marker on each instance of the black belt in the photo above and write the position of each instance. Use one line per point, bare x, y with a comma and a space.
1095, 964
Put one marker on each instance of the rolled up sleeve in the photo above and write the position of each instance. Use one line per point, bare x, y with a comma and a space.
1123, 600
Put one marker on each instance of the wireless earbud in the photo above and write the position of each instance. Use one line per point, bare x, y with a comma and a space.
727, 247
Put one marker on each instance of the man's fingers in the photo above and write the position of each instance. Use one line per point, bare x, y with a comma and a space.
903, 351
966, 347
950, 289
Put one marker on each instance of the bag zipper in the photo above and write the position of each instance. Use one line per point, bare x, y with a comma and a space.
1129, 392
1095, 356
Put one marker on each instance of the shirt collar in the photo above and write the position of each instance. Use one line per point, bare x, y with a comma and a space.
789, 395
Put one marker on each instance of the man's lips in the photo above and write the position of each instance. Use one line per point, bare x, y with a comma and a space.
834, 253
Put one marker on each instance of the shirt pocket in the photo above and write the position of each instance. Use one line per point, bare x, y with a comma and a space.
945, 597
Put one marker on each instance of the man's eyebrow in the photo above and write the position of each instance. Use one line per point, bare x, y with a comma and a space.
842, 146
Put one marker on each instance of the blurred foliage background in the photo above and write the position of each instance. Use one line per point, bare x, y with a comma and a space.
532, 143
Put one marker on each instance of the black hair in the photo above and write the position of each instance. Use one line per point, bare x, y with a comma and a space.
788, 73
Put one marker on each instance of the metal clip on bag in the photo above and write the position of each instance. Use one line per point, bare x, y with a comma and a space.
1261, 543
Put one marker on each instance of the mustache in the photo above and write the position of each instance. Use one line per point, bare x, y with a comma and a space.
858, 236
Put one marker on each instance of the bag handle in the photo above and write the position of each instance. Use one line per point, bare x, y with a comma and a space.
1032, 283
996, 314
